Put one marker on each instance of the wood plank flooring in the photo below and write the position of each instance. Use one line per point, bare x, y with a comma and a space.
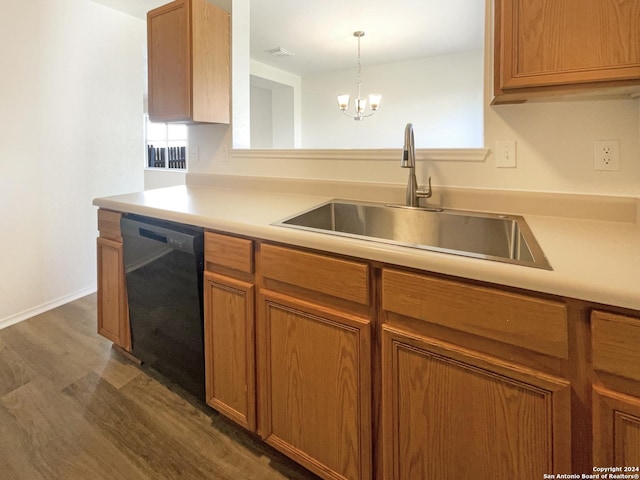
73, 408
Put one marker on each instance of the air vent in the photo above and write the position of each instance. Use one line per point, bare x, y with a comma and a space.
279, 52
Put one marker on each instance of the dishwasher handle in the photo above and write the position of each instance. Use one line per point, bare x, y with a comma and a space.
146, 233
185, 238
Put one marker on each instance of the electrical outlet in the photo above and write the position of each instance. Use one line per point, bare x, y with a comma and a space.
506, 154
606, 155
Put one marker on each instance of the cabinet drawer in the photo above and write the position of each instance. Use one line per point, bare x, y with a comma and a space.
344, 279
231, 252
615, 340
109, 224
528, 322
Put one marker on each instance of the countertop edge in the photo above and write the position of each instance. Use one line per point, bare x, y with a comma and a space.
580, 285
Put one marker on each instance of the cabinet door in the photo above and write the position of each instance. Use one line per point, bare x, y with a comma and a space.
113, 314
210, 63
169, 57
616, 429
229, 348
614, 340
189, 60
546, 42
315, 384
450, 413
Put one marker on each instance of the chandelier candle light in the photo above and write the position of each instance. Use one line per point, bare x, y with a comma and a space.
361, 103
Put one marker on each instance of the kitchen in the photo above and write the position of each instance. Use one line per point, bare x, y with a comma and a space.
75, 113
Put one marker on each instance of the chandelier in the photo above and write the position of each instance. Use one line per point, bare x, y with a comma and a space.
361, 103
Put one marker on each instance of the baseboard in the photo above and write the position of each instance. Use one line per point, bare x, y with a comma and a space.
45, 307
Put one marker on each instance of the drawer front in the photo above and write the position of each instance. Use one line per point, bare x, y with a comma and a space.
227, 251
109, 224
531, 323
615, 340
344, 279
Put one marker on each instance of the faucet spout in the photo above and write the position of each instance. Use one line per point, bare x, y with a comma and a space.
408, 151
409, 161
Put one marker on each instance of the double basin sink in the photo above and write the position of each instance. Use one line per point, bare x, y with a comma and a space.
502, 238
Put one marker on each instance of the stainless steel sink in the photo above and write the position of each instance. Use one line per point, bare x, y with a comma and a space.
503, 238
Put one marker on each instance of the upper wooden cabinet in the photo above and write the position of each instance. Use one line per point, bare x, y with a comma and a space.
545, 47
188, 44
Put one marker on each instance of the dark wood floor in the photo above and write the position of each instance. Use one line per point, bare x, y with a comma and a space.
73, 408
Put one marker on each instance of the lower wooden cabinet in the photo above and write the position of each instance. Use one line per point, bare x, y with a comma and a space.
229, 332
616, 394
113, 311
451, 413
363, 371
315, 377
616, 429
229, 347
615, 340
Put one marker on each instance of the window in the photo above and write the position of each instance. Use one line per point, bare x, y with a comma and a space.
166, 145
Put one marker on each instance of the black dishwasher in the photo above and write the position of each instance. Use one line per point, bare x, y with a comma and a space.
163, 269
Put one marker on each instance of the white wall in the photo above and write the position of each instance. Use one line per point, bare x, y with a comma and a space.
555, 147
239, 135
286, 102
70, 130
441, 96
162, 178
283, 117
272, 116
210, 144
261, 117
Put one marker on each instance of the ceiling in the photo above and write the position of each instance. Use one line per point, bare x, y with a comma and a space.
137, 8
319, 33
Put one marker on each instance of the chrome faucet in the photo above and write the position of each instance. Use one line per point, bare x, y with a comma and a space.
414, 194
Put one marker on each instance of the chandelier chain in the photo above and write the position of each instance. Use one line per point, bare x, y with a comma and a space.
359, 67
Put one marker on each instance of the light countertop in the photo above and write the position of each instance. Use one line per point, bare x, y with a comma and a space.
593, 260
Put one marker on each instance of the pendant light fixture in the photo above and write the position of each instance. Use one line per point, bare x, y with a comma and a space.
361, 103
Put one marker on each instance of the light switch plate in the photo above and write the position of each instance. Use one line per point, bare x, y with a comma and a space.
506, 154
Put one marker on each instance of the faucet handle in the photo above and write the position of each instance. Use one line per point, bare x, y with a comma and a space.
422, 193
